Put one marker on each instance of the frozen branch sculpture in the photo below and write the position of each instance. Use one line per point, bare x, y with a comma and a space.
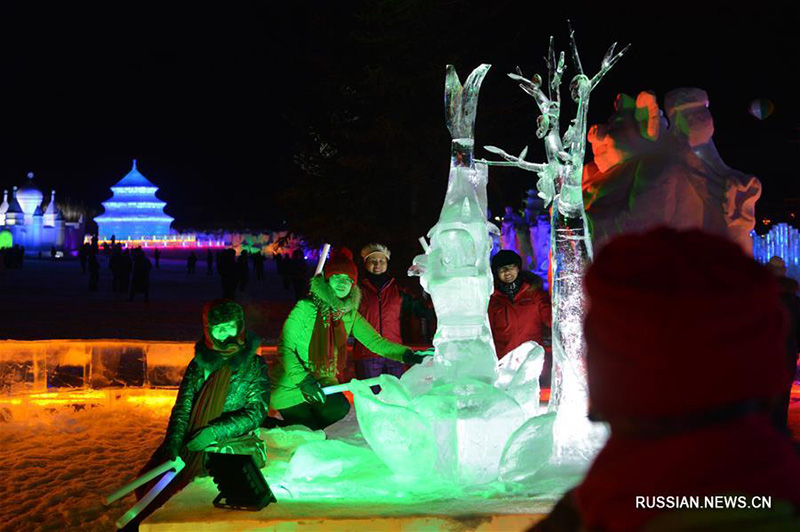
559, 185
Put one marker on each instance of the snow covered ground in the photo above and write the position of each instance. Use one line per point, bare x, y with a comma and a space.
59, 463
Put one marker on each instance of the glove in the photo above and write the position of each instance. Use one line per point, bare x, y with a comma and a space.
312, 391
202, 439
172, 451
415, 357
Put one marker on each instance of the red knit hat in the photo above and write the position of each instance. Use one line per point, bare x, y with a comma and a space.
341, 261
681, 322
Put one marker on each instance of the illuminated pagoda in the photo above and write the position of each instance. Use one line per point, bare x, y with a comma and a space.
133, 211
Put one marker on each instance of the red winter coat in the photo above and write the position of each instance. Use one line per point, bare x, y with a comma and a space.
519, 321
382, 310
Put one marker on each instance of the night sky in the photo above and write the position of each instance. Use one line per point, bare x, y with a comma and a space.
216, 102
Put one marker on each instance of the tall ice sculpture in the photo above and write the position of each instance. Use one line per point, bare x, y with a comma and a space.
457, 412
455, 270
576, 440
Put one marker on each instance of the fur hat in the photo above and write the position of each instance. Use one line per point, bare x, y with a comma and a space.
371, 249
505, 257
341, 262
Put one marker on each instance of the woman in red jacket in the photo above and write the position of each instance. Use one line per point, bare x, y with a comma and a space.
383, 305
519, 310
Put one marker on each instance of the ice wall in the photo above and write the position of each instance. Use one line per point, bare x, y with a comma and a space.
35, 366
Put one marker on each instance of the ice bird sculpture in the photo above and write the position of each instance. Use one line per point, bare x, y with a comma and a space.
455, 270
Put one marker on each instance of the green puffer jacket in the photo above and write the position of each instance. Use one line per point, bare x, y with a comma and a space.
292, 365
247, 401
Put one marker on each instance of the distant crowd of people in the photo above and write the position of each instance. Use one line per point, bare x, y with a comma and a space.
130, 268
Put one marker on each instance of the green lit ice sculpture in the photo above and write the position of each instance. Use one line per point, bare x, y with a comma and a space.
461, 420
457, 413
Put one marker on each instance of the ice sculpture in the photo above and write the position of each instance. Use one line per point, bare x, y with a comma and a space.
462, 414
133, 211
455, 412
645, 174
576, 440
472, 421
528, 450
398, 435
539, 226
455, 270
518, 375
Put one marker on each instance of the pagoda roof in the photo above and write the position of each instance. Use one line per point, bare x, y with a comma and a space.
133, 179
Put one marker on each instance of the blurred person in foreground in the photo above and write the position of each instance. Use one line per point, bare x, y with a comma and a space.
685, 360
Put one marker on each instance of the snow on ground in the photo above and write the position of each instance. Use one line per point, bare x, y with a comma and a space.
56, 468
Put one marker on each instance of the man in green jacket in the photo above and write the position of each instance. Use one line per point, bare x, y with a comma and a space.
313, 346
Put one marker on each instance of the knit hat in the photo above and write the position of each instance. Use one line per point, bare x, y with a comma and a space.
681, 322
371, 249
504, 257
341, 261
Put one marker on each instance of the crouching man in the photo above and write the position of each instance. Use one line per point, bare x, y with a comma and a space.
223, 397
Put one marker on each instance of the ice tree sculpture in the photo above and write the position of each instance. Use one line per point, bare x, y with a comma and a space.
455, 270
559, 184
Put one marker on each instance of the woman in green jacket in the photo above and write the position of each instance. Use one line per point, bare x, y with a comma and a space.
313, 345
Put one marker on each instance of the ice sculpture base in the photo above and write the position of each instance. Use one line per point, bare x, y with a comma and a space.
335, 493
192, 510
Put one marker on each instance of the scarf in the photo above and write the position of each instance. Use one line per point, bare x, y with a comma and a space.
207, 406
378, 281
328, 347
510, 289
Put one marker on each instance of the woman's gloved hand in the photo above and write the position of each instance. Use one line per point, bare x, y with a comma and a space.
312, 391
415, 357
202, 439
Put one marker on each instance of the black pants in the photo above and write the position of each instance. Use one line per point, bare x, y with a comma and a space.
317, 416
